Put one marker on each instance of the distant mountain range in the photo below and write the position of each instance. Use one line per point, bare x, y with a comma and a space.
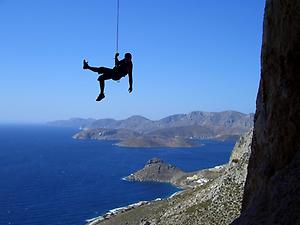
180, 130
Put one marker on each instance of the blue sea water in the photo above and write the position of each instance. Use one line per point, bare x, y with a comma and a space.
48, 178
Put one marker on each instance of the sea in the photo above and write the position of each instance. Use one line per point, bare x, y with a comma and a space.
49, 178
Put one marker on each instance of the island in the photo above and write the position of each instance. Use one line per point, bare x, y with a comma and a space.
175, 131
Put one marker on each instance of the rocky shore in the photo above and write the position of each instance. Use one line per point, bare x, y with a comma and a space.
116, 211
156, 170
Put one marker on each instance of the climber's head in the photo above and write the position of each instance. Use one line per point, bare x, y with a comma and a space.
128, 57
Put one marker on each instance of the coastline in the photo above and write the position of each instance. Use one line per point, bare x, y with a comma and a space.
116, 211
175, 185
199, 180
191, 176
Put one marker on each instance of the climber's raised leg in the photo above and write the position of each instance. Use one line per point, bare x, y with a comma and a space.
99, 70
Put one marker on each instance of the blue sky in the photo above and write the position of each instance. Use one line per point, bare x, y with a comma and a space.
188, 55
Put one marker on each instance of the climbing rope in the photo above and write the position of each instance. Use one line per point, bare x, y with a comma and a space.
117, 35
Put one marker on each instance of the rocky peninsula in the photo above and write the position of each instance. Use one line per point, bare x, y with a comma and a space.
158, 171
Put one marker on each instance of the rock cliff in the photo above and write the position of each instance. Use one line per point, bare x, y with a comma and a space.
272, 191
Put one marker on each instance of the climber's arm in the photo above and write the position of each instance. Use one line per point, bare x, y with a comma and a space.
130, 79
117, 62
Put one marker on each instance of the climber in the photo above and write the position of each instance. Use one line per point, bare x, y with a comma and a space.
121, 69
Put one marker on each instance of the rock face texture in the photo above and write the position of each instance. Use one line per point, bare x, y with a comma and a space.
272, 191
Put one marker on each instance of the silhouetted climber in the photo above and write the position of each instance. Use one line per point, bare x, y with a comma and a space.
121, 69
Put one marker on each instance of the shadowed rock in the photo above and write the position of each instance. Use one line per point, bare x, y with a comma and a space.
272, 191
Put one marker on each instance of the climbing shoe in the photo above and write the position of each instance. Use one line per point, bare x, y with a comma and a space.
100, 97
85, 64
